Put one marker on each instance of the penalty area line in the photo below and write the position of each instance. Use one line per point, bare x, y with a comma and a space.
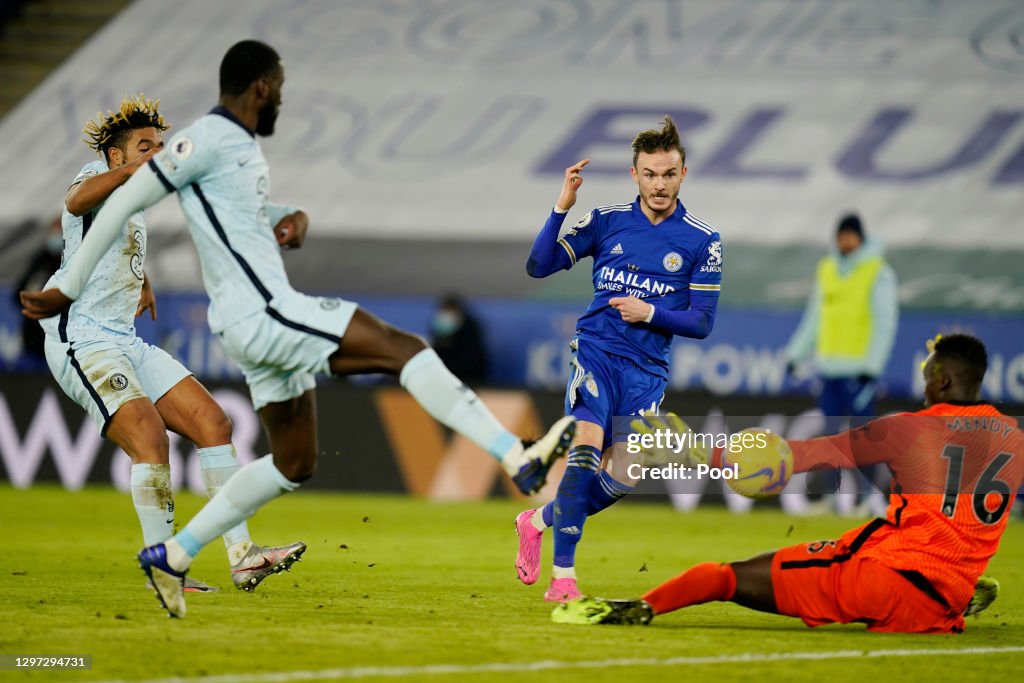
357, 672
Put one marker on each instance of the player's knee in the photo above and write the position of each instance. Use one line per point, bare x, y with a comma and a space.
216, 430
588, 434
403, 346
754, 586
149, 443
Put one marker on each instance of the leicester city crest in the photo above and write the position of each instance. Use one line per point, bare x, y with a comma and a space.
672, 262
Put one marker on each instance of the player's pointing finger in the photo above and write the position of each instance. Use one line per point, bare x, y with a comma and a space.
576, 168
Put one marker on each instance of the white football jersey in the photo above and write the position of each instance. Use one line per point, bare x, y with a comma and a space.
111, 296
218, 170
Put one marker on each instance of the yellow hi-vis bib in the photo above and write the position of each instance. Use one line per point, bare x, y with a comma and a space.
845, 329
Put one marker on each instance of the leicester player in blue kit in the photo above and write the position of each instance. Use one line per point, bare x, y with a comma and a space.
657, 274
279, 337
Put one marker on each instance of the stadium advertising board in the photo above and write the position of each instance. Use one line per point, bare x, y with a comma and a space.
371, 439
527, 345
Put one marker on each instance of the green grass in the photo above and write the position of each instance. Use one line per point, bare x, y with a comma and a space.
392, 581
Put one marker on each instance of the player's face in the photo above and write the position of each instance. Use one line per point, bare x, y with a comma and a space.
140, 141
274, 81
658, 176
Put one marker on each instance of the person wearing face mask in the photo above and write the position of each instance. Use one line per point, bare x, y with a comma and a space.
44, 263
458, 340
848, 329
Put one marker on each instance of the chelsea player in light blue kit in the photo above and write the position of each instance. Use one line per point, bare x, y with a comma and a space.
657, 273
279, 337
135, 391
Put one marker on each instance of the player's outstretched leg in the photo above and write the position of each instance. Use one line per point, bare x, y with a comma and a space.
188, 409
138, 429
605, 491
253, 486
569, 515
703, 583
291, 427
746, 583
371, 345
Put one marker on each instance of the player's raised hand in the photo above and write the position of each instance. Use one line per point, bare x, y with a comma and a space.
572, 183
44, 304
147, 299
142, 160
631, 309
290, 231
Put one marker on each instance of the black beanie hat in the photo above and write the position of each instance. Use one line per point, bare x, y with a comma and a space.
851, 222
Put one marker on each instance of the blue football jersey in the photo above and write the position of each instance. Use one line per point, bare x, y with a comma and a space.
662, 264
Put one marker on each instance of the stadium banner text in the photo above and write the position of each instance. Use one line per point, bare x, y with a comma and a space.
378, 439
528, 345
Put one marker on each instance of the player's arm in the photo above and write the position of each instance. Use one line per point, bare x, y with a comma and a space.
185, 159
141, 191
878, 441
85, 195
802, 342
290, 224
695, 322
550, 254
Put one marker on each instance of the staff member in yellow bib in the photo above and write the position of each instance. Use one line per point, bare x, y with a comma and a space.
849, 325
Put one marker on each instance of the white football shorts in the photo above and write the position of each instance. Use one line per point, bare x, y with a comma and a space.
103, 373
281, 349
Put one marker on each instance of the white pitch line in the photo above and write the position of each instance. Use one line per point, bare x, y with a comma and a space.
548, 665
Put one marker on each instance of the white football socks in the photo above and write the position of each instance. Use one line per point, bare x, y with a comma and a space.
249, 489
563, 572
154, 501
218, 464
537, 519
456, 406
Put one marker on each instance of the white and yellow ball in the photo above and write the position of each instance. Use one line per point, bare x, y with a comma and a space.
763, 463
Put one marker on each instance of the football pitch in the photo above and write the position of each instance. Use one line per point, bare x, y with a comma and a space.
395, 588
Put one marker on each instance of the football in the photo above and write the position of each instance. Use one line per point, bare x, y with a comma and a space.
763, 463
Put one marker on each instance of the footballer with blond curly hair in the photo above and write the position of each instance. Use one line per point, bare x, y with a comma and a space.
132, 390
